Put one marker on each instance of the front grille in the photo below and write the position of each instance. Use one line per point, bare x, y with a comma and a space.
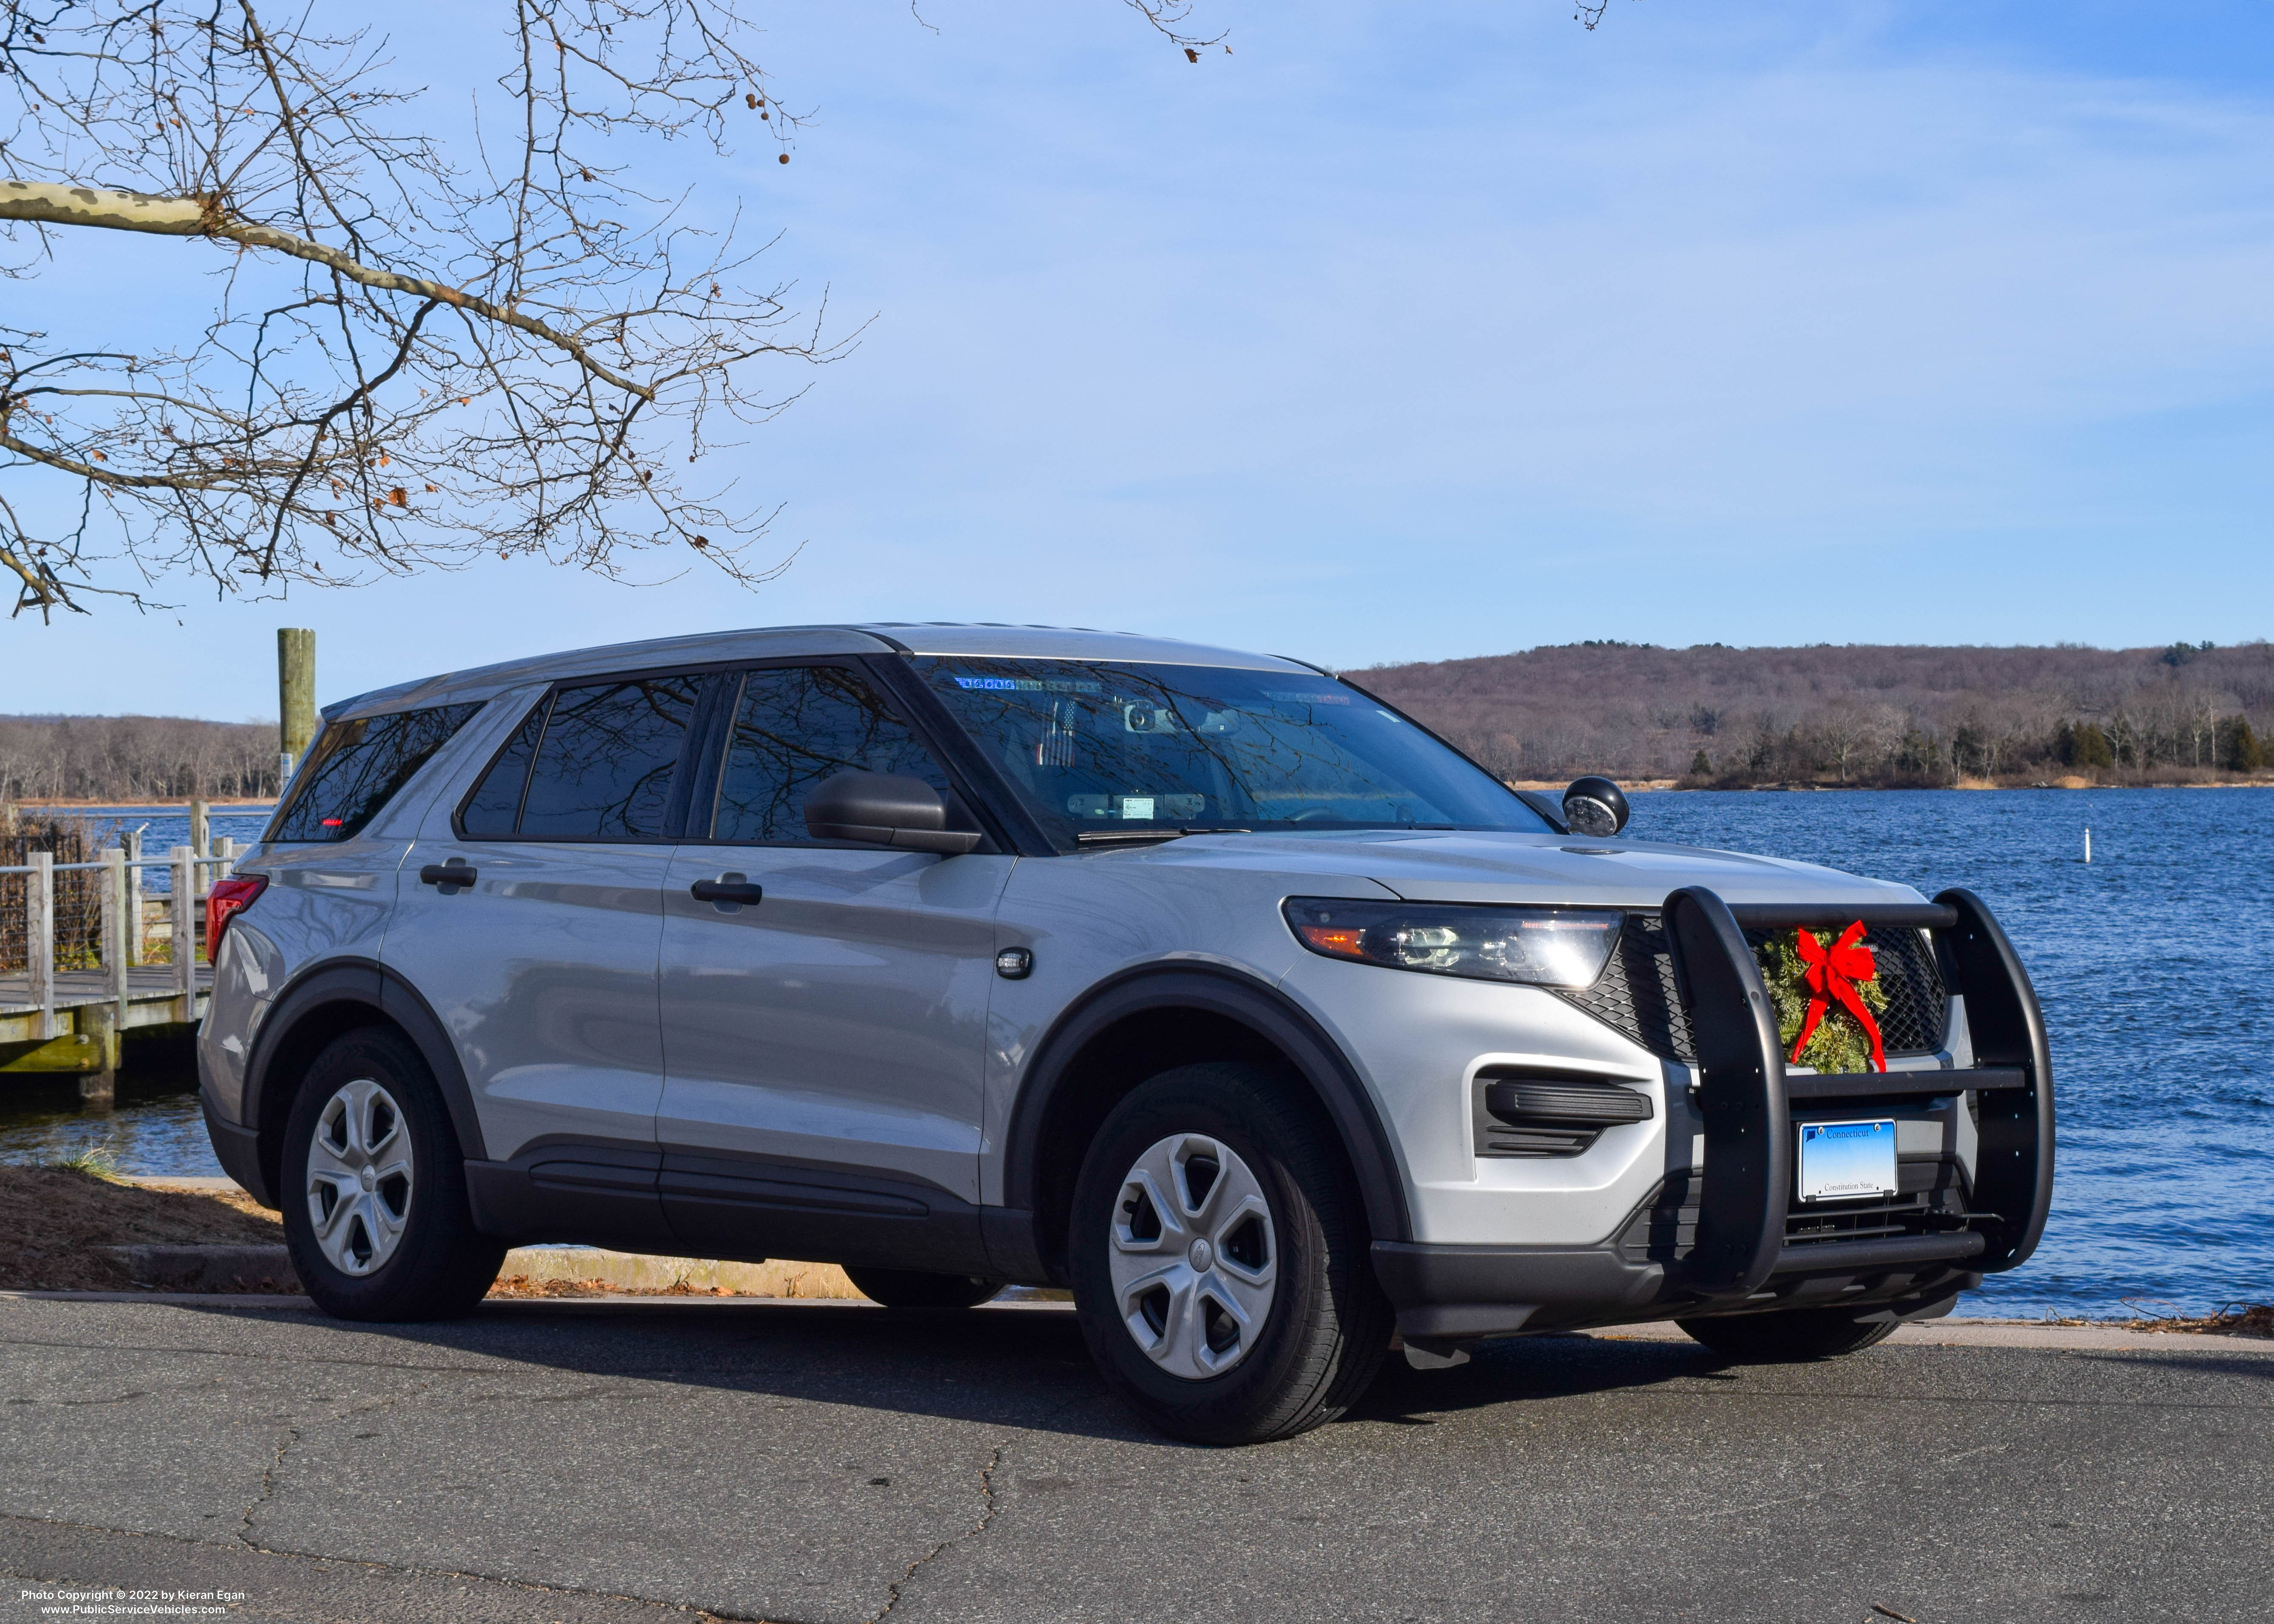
1636, 994
1931, 1201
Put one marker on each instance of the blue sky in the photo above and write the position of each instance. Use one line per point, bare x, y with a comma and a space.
1416, 331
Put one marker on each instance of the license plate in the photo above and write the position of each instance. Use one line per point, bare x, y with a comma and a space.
1839, 1161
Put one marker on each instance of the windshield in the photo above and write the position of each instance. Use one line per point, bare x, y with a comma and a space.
1102, 752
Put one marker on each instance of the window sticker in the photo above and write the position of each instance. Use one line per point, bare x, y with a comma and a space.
1029, 685
1288, 696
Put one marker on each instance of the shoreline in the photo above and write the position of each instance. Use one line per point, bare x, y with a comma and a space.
158, 804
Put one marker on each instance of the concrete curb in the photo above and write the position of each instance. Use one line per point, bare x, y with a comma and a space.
255, 1268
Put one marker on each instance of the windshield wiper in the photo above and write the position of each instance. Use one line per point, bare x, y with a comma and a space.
1117, 837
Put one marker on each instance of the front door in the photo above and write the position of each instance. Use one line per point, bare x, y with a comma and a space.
823, 1046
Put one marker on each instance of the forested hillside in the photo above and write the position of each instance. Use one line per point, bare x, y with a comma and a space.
1852, 715
134, 758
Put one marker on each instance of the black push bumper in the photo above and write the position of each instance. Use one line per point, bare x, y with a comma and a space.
1450, 1294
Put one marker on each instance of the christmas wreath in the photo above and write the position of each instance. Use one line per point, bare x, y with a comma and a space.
1827, 996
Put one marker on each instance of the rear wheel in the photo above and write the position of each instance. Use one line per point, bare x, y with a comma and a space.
1219, 1253
374, 1188
1791, 1337
916, 1289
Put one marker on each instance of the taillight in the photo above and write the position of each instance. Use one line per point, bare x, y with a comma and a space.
228, 898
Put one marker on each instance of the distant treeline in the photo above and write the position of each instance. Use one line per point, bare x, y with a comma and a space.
1857, 715
128, 758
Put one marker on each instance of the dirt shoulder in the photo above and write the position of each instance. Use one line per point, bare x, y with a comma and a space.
52, 1221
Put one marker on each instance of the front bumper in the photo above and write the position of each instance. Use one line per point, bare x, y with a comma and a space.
1739, 1250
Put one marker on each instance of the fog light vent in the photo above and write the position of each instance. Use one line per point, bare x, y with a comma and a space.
1540, 1113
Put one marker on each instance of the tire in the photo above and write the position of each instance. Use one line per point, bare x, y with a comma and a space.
1269, 1321
915, 1289
401, 1243
1793, 1338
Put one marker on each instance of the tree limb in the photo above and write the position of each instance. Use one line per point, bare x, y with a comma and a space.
58, 204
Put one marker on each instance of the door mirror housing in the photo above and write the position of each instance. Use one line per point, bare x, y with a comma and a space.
1595, 808
884, 809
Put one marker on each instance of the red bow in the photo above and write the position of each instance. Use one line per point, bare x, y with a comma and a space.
1833, 973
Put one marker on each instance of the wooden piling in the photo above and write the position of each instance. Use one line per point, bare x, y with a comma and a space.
296, 697
201, 841
185, 912
40, 936
136, 929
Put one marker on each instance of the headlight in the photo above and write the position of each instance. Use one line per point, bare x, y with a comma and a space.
1550, 947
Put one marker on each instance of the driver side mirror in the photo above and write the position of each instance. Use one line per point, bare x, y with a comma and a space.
884, 809
1595, 808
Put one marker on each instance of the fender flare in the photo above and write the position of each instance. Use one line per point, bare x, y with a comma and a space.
1229, 994
366, 983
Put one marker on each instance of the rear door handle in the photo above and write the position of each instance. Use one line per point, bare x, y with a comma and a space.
727, 889
455, 872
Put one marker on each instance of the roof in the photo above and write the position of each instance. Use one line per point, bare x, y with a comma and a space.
943, 637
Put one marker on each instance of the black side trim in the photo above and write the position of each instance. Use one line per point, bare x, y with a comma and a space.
317, 1001
2013, 1174
590, 1193
722, 1206
1234, 996
1741, 1093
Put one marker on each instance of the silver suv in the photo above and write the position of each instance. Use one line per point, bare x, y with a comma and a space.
1205, 984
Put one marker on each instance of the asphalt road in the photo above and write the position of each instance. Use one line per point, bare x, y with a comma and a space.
576, 1462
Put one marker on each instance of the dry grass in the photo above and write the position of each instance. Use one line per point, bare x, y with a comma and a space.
51, 1220
525, 1286
2230, 1320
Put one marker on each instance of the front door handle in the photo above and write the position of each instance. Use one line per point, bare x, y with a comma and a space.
457, 871
727, 890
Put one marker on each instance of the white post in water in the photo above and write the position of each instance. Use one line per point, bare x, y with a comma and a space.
185, 929
118, 927
133, 843
40, 936
2087, 843
200, 838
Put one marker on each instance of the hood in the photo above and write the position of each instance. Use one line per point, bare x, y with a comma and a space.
1454, 866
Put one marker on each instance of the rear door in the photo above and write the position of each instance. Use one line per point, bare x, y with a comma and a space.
543, 966
823, 1047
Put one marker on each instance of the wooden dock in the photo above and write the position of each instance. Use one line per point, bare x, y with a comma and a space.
61, 1013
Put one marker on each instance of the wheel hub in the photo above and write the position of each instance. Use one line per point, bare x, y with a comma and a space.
1192, 1256
360, 1177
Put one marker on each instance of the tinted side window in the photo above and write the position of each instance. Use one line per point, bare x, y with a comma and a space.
606, 759
355, 768
495, 805
796, 727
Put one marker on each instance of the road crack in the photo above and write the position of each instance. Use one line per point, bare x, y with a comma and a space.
988, 1508
290, 1436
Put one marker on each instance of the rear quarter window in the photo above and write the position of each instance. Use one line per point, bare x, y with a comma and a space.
355, 768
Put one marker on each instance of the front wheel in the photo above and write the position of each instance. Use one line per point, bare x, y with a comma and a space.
1219, 1253
1792, 1337
916, 1289
374, 1188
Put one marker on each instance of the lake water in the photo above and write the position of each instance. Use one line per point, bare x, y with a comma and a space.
164, 828
2153, 965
